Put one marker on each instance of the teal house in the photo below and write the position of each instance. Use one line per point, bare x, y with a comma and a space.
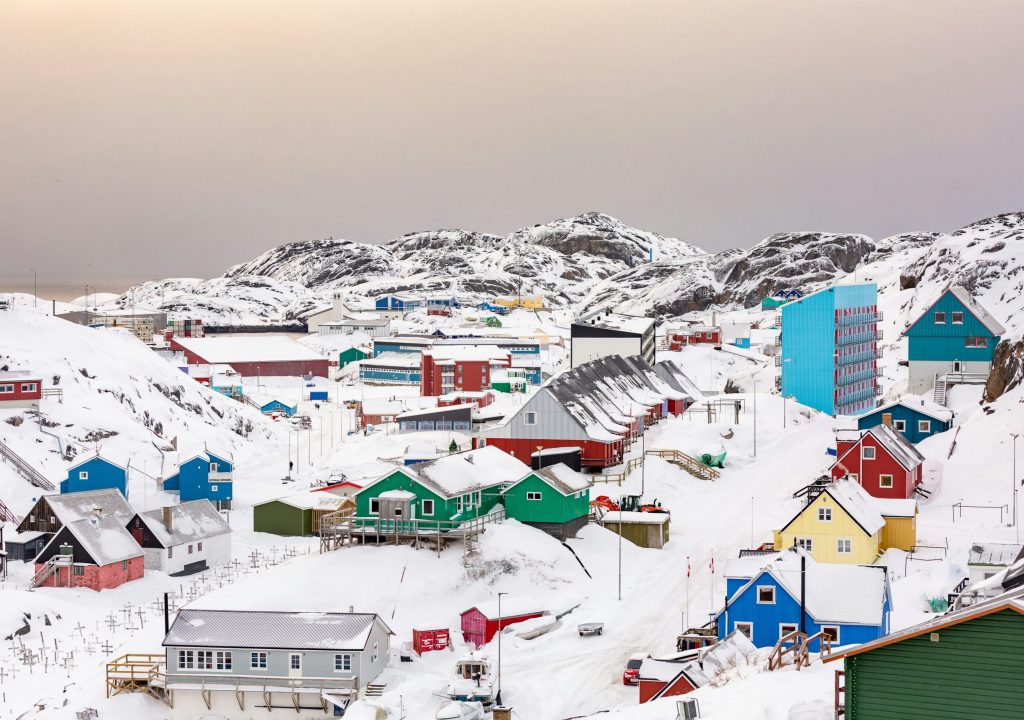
914, 418
555, 499
95, 473
955, 335
829, 356
351, 355
278, 407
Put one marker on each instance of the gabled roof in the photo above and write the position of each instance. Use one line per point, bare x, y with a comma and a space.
510, 607
1013, 601
462, 473
195, 627
190, 521
897, 446
997, 554
75, 506
855, 502
95, 456
916, 404
559, 476
969, 304
847, 594
309, 501
104, 538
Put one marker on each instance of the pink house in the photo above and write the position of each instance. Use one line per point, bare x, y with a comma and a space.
95, 552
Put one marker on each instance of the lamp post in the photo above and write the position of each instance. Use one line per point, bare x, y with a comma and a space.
643, 464
755, 418
35, 287
1015, 525
87, 288
497, 696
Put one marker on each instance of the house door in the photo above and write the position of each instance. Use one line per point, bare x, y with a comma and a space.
958, 367
295, 665
887, 419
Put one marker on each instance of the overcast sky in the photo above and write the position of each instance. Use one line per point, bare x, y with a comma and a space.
152, 139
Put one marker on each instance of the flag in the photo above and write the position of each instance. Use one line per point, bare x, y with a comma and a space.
712, 564
687, 566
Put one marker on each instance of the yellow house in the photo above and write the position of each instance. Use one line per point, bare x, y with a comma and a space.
529, 302
846, 525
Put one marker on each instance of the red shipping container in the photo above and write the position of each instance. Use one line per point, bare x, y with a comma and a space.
428, 640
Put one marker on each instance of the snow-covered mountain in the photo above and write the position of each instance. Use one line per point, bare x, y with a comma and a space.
588, 261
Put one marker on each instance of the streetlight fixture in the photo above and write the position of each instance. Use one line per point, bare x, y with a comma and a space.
497, 696
1015, 525
35, 286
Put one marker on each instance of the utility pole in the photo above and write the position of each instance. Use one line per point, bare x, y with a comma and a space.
1015, 525
35, 287
497, 697
755, 418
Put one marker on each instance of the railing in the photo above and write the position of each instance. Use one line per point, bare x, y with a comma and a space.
857, 377
864, 356
54, 392
962, 378
861, 319
24, 469
824, 648
864, 337
133, 672
952, 597
840, 692
49, 568
691, 465
777, 657
221, 477
619, 477
337, 530
7, 515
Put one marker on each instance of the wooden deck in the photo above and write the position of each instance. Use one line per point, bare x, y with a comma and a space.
136, 672
338, 530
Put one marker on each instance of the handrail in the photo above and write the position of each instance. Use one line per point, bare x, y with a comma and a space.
690, 464
24, 469
778, 654
7, 515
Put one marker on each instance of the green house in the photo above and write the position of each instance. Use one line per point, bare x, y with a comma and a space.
555, 499
967, 664
452, 489
295, 515
351, 355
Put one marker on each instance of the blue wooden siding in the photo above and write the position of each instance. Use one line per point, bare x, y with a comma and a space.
910, 418
192, 481
100, 475
929, 340
411, 377
278, 406
767, 618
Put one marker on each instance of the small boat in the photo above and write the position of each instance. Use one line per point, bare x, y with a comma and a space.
456, 710
472, 680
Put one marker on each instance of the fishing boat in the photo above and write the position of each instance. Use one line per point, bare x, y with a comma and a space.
472, 680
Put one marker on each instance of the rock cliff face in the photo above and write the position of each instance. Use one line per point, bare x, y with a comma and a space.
1007, 369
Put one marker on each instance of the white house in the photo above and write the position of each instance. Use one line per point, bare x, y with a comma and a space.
603, 334
372, 326
183, 539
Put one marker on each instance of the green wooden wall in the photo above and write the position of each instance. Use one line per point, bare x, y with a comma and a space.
973, 671
281, 519
553, 507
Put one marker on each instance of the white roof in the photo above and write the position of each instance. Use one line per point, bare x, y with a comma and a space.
467, 353
311, 501
104, 538
858, 504
397, 495
920, 404
894, 507
983, 315
76, 506
851, 594
614, 321
639, 518
17, 375
380, 406
556, 451
393, 358
266, 348
993, 553
195, 627
470, 471
510, 607
190, 521
563, 478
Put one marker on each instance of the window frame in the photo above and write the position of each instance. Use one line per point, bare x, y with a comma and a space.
867, 452
7, 389
882, 480
530, 417
259, 660
375, 506
804, 543
783, 632
827, 630
186, 660
760, 589
899, 425
739, 625
924, 426
827, 512
83, 474
844, 542
423, 507
953, 320
939, 318
292, 657
534, 495
342, 662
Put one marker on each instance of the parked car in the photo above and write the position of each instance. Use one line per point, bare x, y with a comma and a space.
631, 674
591, 628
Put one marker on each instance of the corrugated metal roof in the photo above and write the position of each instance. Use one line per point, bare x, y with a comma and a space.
75, 506
195, 627
190, 521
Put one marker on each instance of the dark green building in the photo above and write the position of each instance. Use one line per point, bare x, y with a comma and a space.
967, 664
351, 355
555, 499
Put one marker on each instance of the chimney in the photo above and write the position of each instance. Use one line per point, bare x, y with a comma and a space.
168, 519
351, 608
97, 511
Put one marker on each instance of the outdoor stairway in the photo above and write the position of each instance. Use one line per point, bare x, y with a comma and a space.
375, 689
249, 401
6, 515
798, 644
48, 569
944, 383
939, 395
691, 465
24, 469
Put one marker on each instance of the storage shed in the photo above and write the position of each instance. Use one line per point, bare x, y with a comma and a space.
481, 622
296, 515
24, 546
649, 530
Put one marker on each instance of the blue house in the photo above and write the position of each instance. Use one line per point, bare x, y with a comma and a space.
915, 418
96, 473
954, 335
830, 350
276, 406
398, 303
763, 599
203, 475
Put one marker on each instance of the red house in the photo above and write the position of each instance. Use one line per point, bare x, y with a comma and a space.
881, 460
663, 678
482, 398
694, 335
480, 623
266, 356
95, 552
451, 368
19, 389
378, 411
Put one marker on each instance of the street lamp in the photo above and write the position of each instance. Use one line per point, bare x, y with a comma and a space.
87, 288
1015, 525
35, 287
497, 696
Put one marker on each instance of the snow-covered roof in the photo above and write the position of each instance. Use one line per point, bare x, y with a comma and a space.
983, 315
397, 495
510, 607
893, 442
466, 353
660, 670
562, 478
310, 501
857, 503
556, 451
381, 406
852, 594
466, 472
636, 518
358, 322
104, 538
94, 456
633, 324
190, 521
17, 375
393, 358
454, 409
195, 627
993, 553
71, 507
266, 348
917, 404
896, 507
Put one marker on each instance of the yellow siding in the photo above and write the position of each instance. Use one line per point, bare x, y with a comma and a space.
530, 302
825, 534
899, 532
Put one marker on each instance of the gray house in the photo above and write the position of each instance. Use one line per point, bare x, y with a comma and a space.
233, 663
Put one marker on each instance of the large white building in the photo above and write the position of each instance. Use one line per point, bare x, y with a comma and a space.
603, 334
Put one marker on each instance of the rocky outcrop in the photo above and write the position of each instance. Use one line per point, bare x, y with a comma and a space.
1007, 369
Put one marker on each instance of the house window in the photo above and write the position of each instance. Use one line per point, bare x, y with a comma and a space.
29, 388
213, 488
223, 660
885, 481
189, 549
976, 342
924, 426
831, 632
958, 318
374, 506
170, 553
868, 452
825, 514
744, 628
530, 418
199, 547
374, 659
83, 475
213, 467
786, 629
342, 662
427, 507
900, 425
258, 660
204, 659
533, 496
79, 570
124, 564
844, 546
805, 544
186, 660
295, 661
765, 594
5, 389
940, 318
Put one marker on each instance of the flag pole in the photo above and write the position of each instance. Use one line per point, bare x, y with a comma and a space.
711, 590
686, 612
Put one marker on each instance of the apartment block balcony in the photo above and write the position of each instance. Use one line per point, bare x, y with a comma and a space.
861, 319
221, 477
858, 377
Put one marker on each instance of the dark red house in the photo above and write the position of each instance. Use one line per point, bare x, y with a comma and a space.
480, 623
19, 389
266, 356
694, 335
95, 552
662, 678
881, 460
481, 398
452, 368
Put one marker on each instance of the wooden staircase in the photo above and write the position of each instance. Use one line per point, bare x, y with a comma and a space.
24, 469
691, 465
375, 689
799, 647
939, 394
49, 568
7, 515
